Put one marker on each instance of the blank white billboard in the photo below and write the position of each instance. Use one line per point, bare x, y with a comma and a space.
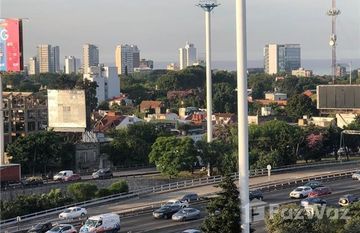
67, 110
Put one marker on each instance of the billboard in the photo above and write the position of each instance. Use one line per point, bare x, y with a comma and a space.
67, 111
338, 97
11, 45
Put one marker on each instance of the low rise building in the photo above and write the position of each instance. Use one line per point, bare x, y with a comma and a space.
301, 72
152, 106
275, 96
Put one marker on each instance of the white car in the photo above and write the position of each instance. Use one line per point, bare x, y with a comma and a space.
177, 202
356, 176
73, 212
191, 231
300, 192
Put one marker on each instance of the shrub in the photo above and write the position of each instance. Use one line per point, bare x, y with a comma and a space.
103, 193
82, 191
119, 187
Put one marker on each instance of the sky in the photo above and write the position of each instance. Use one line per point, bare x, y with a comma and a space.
160, 27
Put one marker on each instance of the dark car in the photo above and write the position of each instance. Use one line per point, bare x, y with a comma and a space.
40, 228
166, 211
190, 197
34, 180
314, 184
320, 191
312, 201
256, 194
102, 174
347, 200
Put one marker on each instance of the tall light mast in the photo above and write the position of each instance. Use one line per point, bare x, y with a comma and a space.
333, 12
208, 6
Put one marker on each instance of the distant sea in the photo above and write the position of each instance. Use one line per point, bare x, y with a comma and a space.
319, 66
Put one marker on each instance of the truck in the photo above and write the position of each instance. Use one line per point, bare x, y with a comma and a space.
102, 223
10, 174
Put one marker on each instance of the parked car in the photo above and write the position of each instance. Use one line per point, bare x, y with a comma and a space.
102, 174
256, 194
102, 223
40, 228
312, 201
33, 180
320, 191
186, 214
177, 202
166, 211
356, 176
314, 184
300, 192
62, 174
62, 228
347, 200
73, 212
191, 231
190, 197
73, 177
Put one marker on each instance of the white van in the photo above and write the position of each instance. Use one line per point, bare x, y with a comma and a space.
109, 223
62, 174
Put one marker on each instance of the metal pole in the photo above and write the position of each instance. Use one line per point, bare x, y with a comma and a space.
208, 78
350, 72
241, 47
2, 156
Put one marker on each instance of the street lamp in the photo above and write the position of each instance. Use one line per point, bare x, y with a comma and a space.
208, 6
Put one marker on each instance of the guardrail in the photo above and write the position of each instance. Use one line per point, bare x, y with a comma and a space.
171, 187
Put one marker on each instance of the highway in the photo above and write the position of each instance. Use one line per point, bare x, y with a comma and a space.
146, 223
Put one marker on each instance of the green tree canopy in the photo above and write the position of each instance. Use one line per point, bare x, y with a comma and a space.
300, 105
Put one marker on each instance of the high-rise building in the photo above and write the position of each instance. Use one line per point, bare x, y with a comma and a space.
107, 79
127, 57
340, 70
55, 59
33, 68
282, 58
71, 66
90, 56
187, 55
44, 58
146, 63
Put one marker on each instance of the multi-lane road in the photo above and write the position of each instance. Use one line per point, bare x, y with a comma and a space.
146, 223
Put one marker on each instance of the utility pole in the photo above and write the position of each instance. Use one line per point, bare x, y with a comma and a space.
333, 12
243, 142
208, 6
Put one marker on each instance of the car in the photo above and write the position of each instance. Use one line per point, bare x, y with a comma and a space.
62, 174
191, 231
33, 180
320, 191
256, 194
62, 228
300, 192
40, 228
166, 211
102, 174
73, 212
356, 176
73, 177
347, 200
190, 197
342, 151
312, 201
186, 214
177, 202
314, 184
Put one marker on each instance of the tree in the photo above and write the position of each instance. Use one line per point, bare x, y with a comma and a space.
104, 105
40, 152
224, 98
119, 187
172, 155
300, 105
224, 210
82, 191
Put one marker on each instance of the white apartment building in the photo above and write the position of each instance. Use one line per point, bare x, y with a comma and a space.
90, 56
71, 66
281, 58
127, 57
187, 56
33, 68
107, 80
